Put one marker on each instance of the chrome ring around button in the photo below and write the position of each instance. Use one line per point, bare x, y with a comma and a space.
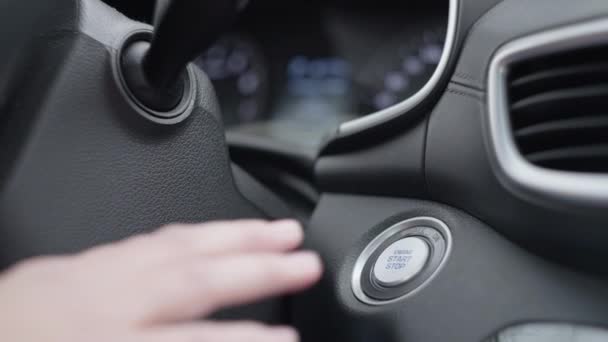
427, 229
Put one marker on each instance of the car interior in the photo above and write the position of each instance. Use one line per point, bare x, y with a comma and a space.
447, 158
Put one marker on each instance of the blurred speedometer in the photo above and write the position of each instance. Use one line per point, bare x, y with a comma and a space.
236, 66
397, 71
349, 66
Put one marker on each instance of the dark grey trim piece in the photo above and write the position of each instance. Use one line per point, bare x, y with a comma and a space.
574, 188
402, 108
259, 196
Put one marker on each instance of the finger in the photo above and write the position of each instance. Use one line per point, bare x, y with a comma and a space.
203, 287
221, 332
212, 239
237, 236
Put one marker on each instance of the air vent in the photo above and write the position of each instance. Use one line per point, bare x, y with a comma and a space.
558, 109
547, 123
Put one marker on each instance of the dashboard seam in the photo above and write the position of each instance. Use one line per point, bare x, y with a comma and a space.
484, 17
478, 97
466, 85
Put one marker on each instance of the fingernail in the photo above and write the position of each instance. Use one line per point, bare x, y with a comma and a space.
306, 261
287, 334
287, 223
288, 229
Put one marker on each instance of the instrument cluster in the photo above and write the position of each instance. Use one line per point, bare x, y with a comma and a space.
324, 62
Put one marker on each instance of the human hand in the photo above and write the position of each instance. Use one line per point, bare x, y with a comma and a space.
154, 287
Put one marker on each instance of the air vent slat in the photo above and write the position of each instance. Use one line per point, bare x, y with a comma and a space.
563, 133
580, 159
558, 104
559, 109
558, 78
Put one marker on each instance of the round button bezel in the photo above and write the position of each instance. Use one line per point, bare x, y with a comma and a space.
433, 231
384, 270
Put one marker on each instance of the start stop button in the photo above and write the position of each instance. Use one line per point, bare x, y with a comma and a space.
401, 262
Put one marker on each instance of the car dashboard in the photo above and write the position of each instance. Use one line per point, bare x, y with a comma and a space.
467, 135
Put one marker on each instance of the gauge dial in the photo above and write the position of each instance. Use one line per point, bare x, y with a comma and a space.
236, 66
315, 77
399, 70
